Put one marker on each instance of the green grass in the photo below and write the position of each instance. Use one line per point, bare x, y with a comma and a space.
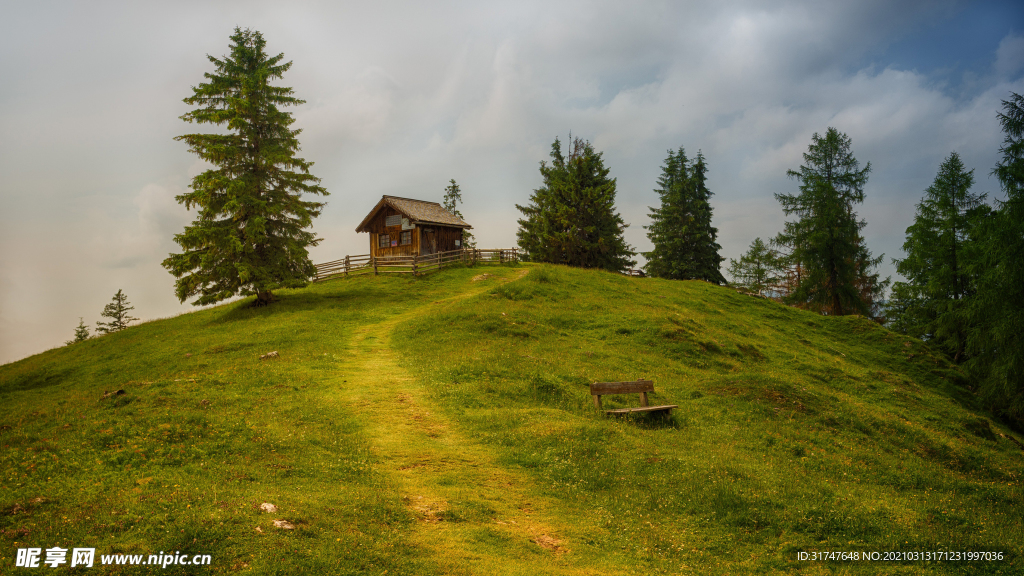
443, 425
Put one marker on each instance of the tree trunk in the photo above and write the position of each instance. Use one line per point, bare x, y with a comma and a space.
263, 298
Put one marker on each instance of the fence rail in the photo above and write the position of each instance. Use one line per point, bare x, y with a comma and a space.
415, 265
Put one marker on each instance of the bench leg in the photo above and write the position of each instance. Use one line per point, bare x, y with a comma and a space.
597, 402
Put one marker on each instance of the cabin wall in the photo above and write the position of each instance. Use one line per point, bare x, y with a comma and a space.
426, 238
433, 238
378, 225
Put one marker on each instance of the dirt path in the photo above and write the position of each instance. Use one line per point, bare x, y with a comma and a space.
474, 516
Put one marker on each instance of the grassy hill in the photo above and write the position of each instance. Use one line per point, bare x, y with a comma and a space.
443, 425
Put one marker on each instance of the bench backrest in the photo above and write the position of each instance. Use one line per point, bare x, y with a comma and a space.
603, 388
641, 387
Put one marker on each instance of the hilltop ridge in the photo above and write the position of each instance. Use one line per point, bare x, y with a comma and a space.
443, 424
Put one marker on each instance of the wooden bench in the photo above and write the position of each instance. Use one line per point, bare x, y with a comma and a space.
641, 387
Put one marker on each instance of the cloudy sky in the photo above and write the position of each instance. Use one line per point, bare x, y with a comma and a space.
403, 96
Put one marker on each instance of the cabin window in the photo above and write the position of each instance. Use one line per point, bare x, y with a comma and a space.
406, 238
393, 220
383, 241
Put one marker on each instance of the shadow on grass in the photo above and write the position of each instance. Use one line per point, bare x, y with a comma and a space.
302, 300
652, 420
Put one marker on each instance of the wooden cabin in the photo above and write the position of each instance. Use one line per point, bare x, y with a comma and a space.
407, 227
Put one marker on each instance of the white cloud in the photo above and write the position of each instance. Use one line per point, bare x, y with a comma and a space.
1010, 56
121, 243
403, 97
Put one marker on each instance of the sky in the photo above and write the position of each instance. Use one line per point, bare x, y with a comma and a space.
401, 97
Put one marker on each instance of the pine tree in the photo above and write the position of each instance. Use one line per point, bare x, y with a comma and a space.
117, 311
939, 247
81, 333
670, 222
685, 246
571, 219
835, 266
249, 237
759, 271
905, 309
452, 197
870, 287
790, 269
997, 344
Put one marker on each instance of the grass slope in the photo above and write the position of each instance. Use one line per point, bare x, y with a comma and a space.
442, 425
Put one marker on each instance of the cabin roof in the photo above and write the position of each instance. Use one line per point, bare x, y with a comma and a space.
417, 211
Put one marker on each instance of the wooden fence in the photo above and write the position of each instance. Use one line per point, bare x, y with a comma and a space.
415, 265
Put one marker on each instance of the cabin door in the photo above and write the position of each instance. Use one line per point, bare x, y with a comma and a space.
429, 241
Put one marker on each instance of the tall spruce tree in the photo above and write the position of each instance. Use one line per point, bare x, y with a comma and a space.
685, 246
452, 198
117, 311
571, 219
940, 246
997, 344
250, 236
835, 266
759, 271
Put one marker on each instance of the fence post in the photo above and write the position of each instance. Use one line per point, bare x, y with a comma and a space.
373, 261
415, 261
346, 265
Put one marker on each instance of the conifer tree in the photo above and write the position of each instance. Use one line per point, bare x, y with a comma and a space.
905, 309
117, 311
759, 270
939, 247
250, 236
835, 266
452, 197
996, 346
81, 333
571, 219
685, 246
790, 269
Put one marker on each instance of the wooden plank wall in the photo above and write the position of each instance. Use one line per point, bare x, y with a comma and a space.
379, 226
443, 236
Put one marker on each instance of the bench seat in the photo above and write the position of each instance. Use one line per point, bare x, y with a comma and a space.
641, 387
642, 409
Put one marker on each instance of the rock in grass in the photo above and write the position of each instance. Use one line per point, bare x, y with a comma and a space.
112, 393
268, 507
284, 525
273, 354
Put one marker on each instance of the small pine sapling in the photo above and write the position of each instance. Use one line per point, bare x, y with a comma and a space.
81, 333
117, 311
